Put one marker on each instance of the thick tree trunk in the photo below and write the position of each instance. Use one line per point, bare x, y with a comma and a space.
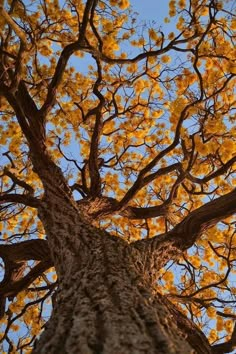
106, 301
105, 304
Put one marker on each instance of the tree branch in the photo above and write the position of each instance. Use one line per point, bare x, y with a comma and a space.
194, 335
143, 180
13, 25
18, 181
170, 246
15, 257
214, 174
132, 212
21, 199
27, 250
93, 163
226, 347
191, 228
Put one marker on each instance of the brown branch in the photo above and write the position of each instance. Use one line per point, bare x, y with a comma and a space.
18, 181
106, 206
144, 213
141, 181
194, 335
27, 115
14, 286
62, 62
57, 77
190, 229
27, 250
170, 246
13, 25
21, 199
31, 111
226, 347
4, 90
88, 7
142, 178
149, 54
214, 174
93, 163
15, 257
16, 93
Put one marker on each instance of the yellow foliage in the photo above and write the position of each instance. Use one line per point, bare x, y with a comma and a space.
152, 34
123, 4
110, 44
211, 312
219, 323
151, 104
232, 67
212, 335
165, 59
168, 276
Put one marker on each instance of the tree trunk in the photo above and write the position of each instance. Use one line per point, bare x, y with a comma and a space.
106, 305
106, 301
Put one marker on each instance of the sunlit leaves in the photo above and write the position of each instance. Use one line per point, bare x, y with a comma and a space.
173, 105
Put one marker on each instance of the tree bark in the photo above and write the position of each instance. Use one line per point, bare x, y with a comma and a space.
106, 301
106, 304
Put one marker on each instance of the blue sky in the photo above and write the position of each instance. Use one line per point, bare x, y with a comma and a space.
151, 10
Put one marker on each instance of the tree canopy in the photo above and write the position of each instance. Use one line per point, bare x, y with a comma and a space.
141, 121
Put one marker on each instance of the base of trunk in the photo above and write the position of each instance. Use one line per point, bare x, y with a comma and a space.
104, 306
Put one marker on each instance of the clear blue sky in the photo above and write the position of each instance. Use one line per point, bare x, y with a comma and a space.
151, 10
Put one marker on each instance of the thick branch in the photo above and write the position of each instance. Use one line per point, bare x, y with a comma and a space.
103, 206
88, 7
226, 347
143, 178
148, 54
191, 228
194, 335
64, 57
57, 77
28, 116
37, 250
163, 248
21, 199
144, 213
18, 181
15, 257
12, 288
18, 111
31, 111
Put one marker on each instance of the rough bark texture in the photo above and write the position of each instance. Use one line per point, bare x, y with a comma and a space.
106, 301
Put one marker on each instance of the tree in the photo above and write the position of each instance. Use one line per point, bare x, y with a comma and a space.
121, 175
